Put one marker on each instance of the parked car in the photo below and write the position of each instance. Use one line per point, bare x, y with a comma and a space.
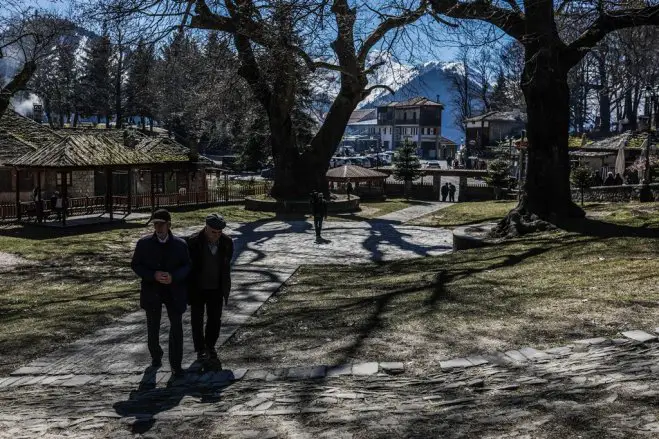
268, 173
433, 164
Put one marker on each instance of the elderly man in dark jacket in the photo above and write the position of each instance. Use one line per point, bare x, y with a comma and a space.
162, 262
209, 284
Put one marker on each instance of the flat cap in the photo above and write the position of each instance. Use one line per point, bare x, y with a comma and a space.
161, 216
216, 221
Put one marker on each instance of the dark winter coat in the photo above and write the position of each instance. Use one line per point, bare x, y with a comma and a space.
451, 189
197, 245
172, 257
319, 208
444, 190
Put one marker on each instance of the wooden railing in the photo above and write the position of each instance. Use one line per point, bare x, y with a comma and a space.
78, 206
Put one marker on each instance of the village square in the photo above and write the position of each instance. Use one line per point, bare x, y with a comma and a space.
299, 219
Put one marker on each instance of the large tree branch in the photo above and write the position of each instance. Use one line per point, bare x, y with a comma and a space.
368, 91
510, 21
17, 83
608, 22
388, 24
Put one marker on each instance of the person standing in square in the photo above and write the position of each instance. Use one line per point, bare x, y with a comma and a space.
209, 284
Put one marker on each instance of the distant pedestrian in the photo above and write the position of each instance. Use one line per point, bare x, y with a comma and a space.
319, 210
451, 192
445, 190
209, 284
610, 179
618, 179
162, 261
349, 189
57, 204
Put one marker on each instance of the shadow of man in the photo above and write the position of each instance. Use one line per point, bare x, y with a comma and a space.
147, 400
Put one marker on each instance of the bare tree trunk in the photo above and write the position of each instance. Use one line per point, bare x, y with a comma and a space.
546, 196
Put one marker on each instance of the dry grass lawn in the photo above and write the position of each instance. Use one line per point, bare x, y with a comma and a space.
540, 291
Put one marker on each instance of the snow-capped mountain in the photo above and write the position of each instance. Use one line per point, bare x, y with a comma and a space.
433, 79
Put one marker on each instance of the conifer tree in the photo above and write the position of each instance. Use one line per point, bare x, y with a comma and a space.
407, 166
96, 81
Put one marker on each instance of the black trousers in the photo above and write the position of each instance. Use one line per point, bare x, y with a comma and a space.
318, 224
210, 304
175, 334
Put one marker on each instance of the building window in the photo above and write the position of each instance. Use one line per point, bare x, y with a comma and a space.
59, 178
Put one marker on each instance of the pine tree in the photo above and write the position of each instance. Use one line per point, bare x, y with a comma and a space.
407, 166
499, 100
140, 87
96, 81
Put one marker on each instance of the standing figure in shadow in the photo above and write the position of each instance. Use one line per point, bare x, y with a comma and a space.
319, 210
209, 285
162, 262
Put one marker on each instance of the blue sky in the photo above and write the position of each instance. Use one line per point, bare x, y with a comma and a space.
441, 46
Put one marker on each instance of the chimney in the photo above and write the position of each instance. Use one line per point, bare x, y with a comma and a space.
437, 99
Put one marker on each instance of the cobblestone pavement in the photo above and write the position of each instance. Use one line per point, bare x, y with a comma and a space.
266, 255
412, 212
591, 389
98, 387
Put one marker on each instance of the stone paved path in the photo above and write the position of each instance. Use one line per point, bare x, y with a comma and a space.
413, 212
591, 388
266, 255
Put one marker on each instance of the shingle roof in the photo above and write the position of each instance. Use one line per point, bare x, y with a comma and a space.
20, 135
12, 147
415, 102
362, 115
505, 116
82, 150
163, 149
353, 172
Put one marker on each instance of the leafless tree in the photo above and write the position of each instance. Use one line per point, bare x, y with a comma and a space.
26, 37
549, 56
295, 34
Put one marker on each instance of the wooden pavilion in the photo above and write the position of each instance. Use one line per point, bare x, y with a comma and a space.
92, 156
367, 183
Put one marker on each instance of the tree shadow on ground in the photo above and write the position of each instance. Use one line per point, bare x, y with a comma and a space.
603, 229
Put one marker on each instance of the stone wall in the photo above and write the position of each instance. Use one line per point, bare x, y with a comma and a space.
82, 184
623, 193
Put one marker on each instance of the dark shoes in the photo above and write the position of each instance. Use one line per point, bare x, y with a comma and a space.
178, 373
211, 354
156, 362
202, 356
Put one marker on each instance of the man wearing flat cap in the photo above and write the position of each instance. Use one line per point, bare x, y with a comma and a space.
209, 284
162, 262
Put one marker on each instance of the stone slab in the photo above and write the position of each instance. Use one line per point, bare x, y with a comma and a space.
342, 369
365, 368
532, 354
392, 367
455, 363
640, 336
516, 356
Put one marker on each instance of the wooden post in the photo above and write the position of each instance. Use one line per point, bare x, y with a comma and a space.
65, 191
109, 193
130, 192
153, 194
226, 186
18, 195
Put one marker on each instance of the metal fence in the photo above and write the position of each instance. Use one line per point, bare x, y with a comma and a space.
77, 206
